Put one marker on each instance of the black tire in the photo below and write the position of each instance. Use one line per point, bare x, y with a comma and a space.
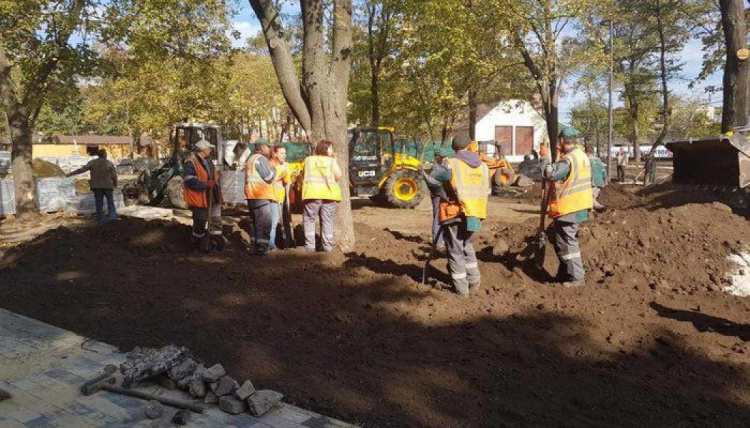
174, 193
404, 183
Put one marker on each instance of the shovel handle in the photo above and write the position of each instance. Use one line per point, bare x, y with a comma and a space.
172, 402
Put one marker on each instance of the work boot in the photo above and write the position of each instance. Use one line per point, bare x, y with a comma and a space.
205, 245
475, 286
574, 284
218, 242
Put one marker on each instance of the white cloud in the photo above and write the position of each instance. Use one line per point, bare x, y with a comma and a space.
245, 29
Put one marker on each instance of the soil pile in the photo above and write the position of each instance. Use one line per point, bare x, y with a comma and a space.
356, 336
638, 242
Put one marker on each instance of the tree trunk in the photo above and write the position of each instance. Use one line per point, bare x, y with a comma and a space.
736, 72
23, 172
375, 95
650, 171
318, 101
635, 136
548, 91
472, 114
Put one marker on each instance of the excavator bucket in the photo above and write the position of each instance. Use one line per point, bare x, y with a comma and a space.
723, 161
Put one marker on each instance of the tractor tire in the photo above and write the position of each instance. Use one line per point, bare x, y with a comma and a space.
504, 177
404, 189
174, 193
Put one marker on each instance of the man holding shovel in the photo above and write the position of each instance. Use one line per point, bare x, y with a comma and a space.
571, 198
203, 195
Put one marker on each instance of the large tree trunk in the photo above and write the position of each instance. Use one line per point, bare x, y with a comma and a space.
736, 72
23, 173
20, 131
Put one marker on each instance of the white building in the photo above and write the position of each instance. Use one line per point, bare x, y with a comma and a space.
515, 124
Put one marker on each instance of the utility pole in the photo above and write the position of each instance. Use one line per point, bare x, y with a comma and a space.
611, 112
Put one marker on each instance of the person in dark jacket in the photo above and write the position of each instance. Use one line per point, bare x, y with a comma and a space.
598, 176
103, 182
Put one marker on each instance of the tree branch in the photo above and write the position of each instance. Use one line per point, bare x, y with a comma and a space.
283, 63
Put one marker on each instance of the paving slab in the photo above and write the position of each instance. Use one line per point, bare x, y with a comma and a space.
43, 366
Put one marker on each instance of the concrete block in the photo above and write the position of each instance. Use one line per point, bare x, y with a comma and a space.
166, 382
154, 410
197, 389
183, 369
214, 373
262, 401
226, 386
232, 405
211, 398
245, 391
182, 417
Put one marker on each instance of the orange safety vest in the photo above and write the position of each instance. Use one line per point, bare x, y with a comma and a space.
199, 198
471, 186
319, 181
255, 186
575, 193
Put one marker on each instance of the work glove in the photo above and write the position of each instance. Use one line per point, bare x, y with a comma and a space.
210, 184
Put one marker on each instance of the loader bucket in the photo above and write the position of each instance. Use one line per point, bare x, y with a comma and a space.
723, 161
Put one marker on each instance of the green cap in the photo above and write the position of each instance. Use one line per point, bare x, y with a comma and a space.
445, 152
568, 132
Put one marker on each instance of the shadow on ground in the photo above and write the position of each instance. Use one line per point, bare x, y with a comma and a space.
359, 345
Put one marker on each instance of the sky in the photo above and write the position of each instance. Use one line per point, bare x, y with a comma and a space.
692, 56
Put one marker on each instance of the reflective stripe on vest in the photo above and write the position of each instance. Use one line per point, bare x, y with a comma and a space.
319, 181
196, 198
472, 186
575, 193
255, 186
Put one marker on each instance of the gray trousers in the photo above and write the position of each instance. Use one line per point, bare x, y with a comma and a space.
462, 259
200, 217
568, 251
260, 214
597, 204
326, 210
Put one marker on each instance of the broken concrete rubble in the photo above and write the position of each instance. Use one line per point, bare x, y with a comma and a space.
262, 401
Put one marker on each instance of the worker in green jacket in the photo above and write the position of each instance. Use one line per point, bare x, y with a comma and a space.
598, 176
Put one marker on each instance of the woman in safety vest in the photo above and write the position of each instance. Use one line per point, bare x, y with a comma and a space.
280, 186
320, 194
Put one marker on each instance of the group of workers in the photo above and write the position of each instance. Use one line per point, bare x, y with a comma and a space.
460, 186
268, 179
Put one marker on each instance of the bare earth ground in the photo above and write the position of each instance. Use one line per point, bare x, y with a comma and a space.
650, 341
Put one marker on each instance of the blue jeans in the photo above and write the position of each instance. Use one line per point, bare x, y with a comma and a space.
436, 222
99, 195
274, 224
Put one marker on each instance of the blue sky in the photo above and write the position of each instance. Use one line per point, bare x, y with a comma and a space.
692, 56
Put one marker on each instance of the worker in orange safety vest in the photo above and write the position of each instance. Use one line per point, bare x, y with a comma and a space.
571, 201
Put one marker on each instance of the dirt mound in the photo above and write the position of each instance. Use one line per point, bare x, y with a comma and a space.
358, 337
638, 243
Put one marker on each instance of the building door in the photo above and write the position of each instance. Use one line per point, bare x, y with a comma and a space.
524, 140
504, 138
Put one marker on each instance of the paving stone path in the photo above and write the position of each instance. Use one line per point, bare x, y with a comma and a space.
43, 367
